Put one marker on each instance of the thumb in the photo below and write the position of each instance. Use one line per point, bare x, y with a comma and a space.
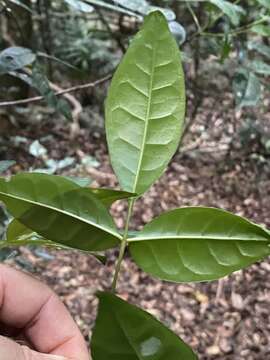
9, 350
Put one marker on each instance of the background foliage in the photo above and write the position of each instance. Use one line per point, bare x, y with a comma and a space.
88, 37
42, 40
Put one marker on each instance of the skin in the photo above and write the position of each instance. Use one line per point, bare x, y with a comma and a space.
32, 313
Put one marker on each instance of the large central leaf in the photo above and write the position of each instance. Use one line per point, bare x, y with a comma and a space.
125, 332
145, 107
59, 210
198, 244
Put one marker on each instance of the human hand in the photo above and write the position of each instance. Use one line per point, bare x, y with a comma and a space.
31, 312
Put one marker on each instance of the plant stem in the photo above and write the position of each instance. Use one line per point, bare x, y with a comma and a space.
203, 29
57, 93
123, 245
237, 31
195, 19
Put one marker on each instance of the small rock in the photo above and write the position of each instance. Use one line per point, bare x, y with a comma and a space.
225, 345
187, 314
213, 350
237, 301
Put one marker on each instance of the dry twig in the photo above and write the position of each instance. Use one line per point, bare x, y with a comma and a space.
58, 93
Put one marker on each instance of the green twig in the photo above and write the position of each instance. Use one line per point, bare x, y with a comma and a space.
123, 245
110, 31
202, 31
235, 32
196, 20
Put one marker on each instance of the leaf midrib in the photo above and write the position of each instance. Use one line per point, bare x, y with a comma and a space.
105, 229
195, 237
134, 189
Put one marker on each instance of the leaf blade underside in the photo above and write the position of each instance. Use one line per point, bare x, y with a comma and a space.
125, 332
145, 107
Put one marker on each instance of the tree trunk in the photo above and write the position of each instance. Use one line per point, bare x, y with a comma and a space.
16, 29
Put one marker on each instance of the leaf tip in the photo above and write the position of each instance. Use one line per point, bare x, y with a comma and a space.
156, 16
103, 295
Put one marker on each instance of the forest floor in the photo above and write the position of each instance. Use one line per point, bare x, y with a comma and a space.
226, 319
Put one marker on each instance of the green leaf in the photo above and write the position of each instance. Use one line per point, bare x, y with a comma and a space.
168, 13
22, 76
178, 31
198, 244
6, 164
15, 58
260, 29
106, 196
226, 49
247, 88
265, 3
233, 11
16, 231
140, 6
41, 83
21, 4
56, 59
125, 332
109, 196
143, 7
112, 7
59, 210
19, 235
83, 182
260, 48
145, 107
80, 6
260, 67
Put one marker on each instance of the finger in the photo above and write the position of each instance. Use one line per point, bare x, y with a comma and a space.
27, 304
12, 351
